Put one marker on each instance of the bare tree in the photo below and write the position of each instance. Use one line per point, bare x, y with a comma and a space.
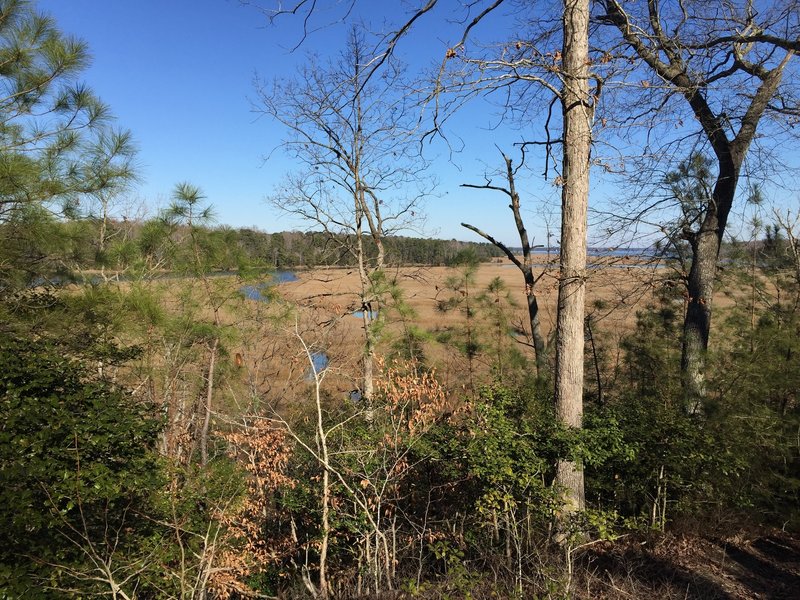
578, 114
727, 61
525, 265
361, 177
563, 76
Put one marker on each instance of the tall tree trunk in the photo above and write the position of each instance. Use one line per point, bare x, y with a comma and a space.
705, 244
697, 322
322, 448
578, 114
368, 356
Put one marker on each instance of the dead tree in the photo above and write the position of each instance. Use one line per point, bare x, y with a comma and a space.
546, 77
525, 265
564, 77
361, 177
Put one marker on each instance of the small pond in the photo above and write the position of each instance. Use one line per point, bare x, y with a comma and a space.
319, 361
283, 276
254, 292
373, 314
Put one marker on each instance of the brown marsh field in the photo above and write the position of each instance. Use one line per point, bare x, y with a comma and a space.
327, 298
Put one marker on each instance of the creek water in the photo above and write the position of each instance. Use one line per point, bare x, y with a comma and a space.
257, 291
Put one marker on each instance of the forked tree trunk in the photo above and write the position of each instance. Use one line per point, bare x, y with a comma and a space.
539, 346
578, 114
665, 54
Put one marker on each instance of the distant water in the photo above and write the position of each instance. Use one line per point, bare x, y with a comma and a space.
537, 265
641, 253
554, 265
284, 276
632, 252
602, 251
256, 292
654, 265
253, 292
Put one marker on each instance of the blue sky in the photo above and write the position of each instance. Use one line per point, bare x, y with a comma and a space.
179, 74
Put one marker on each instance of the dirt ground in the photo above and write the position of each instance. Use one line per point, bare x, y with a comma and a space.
763, 565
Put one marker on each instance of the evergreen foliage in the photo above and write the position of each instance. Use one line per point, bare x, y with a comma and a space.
77, 467
57, 146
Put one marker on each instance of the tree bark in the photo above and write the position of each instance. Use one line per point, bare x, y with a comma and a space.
578, 114
366, 296
368, 372
539, 345
697, 322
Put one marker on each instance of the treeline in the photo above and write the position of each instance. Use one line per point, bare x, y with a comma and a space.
125, 245
311, 249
